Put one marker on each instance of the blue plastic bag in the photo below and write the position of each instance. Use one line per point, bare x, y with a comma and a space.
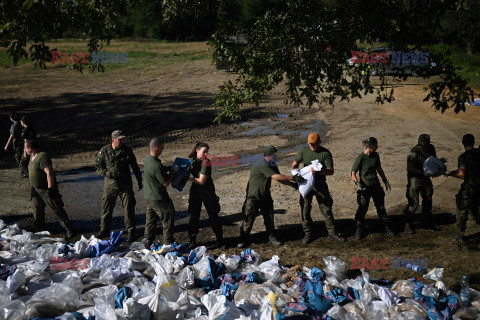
181, 176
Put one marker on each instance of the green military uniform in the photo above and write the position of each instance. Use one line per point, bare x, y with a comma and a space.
259, 197
203, 194
468, 198
367, 166
159, 204
17, 143
320, 190
114, 165
40, 196
28, 133
419, 184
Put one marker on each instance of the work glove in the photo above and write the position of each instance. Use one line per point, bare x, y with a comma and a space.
298, 178
387, 186
360, 185
140, 185
175, 168
295, 185
51, 193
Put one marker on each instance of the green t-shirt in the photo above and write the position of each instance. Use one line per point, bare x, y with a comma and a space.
367, 167
200, 166
260, 179
36, 172
470, 160
323, 155
155, 175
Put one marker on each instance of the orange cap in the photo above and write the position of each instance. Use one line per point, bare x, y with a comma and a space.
313, 138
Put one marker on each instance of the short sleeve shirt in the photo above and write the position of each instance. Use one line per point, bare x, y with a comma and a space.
417, 158
155, 175
323, 155
16, 130
470, 160
36, 172
202, 166
261, 179
367, 167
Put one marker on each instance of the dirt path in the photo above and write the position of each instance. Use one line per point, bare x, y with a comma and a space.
76, 115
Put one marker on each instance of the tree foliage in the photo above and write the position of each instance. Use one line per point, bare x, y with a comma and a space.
307, 44
26, 25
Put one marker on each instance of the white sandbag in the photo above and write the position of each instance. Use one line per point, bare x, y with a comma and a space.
306, 172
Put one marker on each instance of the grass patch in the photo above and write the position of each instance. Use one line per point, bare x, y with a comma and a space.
141, 55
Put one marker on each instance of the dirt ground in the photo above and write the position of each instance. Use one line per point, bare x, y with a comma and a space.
74, 115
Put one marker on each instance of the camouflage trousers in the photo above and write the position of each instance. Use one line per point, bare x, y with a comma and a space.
375, 193
414, 191
325, 203
250, 211
468, 201
18, 150
164, 210
108, 204
40, 199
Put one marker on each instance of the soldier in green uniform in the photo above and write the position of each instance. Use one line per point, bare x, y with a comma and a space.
113, 162
203, 191
45, 189
15, 137
314, 151
419, 184
468, 198
259, 197
28, 133
368, 164
159, 204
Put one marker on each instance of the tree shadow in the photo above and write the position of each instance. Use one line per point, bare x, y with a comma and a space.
79, 122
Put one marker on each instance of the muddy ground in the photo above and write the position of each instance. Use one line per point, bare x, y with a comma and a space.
75, 114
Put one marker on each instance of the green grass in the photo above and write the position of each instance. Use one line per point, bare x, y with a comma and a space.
141, 55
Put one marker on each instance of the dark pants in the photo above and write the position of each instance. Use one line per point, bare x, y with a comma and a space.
468, 200
24, 163
414, 190
363, 199
250, 211
18, 150
212, 205
325, 203
164, 210
40, 200
128, 202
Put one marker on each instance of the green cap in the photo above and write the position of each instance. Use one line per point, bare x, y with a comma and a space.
118, 134
268, 151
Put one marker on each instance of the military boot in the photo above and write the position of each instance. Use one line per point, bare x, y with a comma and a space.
307, 238
409, 228
359, 232
193, 243
70, 234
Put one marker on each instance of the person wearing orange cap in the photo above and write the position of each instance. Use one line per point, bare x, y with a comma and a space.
314, 151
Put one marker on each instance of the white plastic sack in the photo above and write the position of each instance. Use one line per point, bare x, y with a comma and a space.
82, 247
272, 270
230, 263
135, 311
306, 186
335, 269
13, 310
16, 280
219, 308
186, 278
104, 309
434, 167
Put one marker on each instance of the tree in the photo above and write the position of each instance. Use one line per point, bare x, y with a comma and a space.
28, 24
307, 46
